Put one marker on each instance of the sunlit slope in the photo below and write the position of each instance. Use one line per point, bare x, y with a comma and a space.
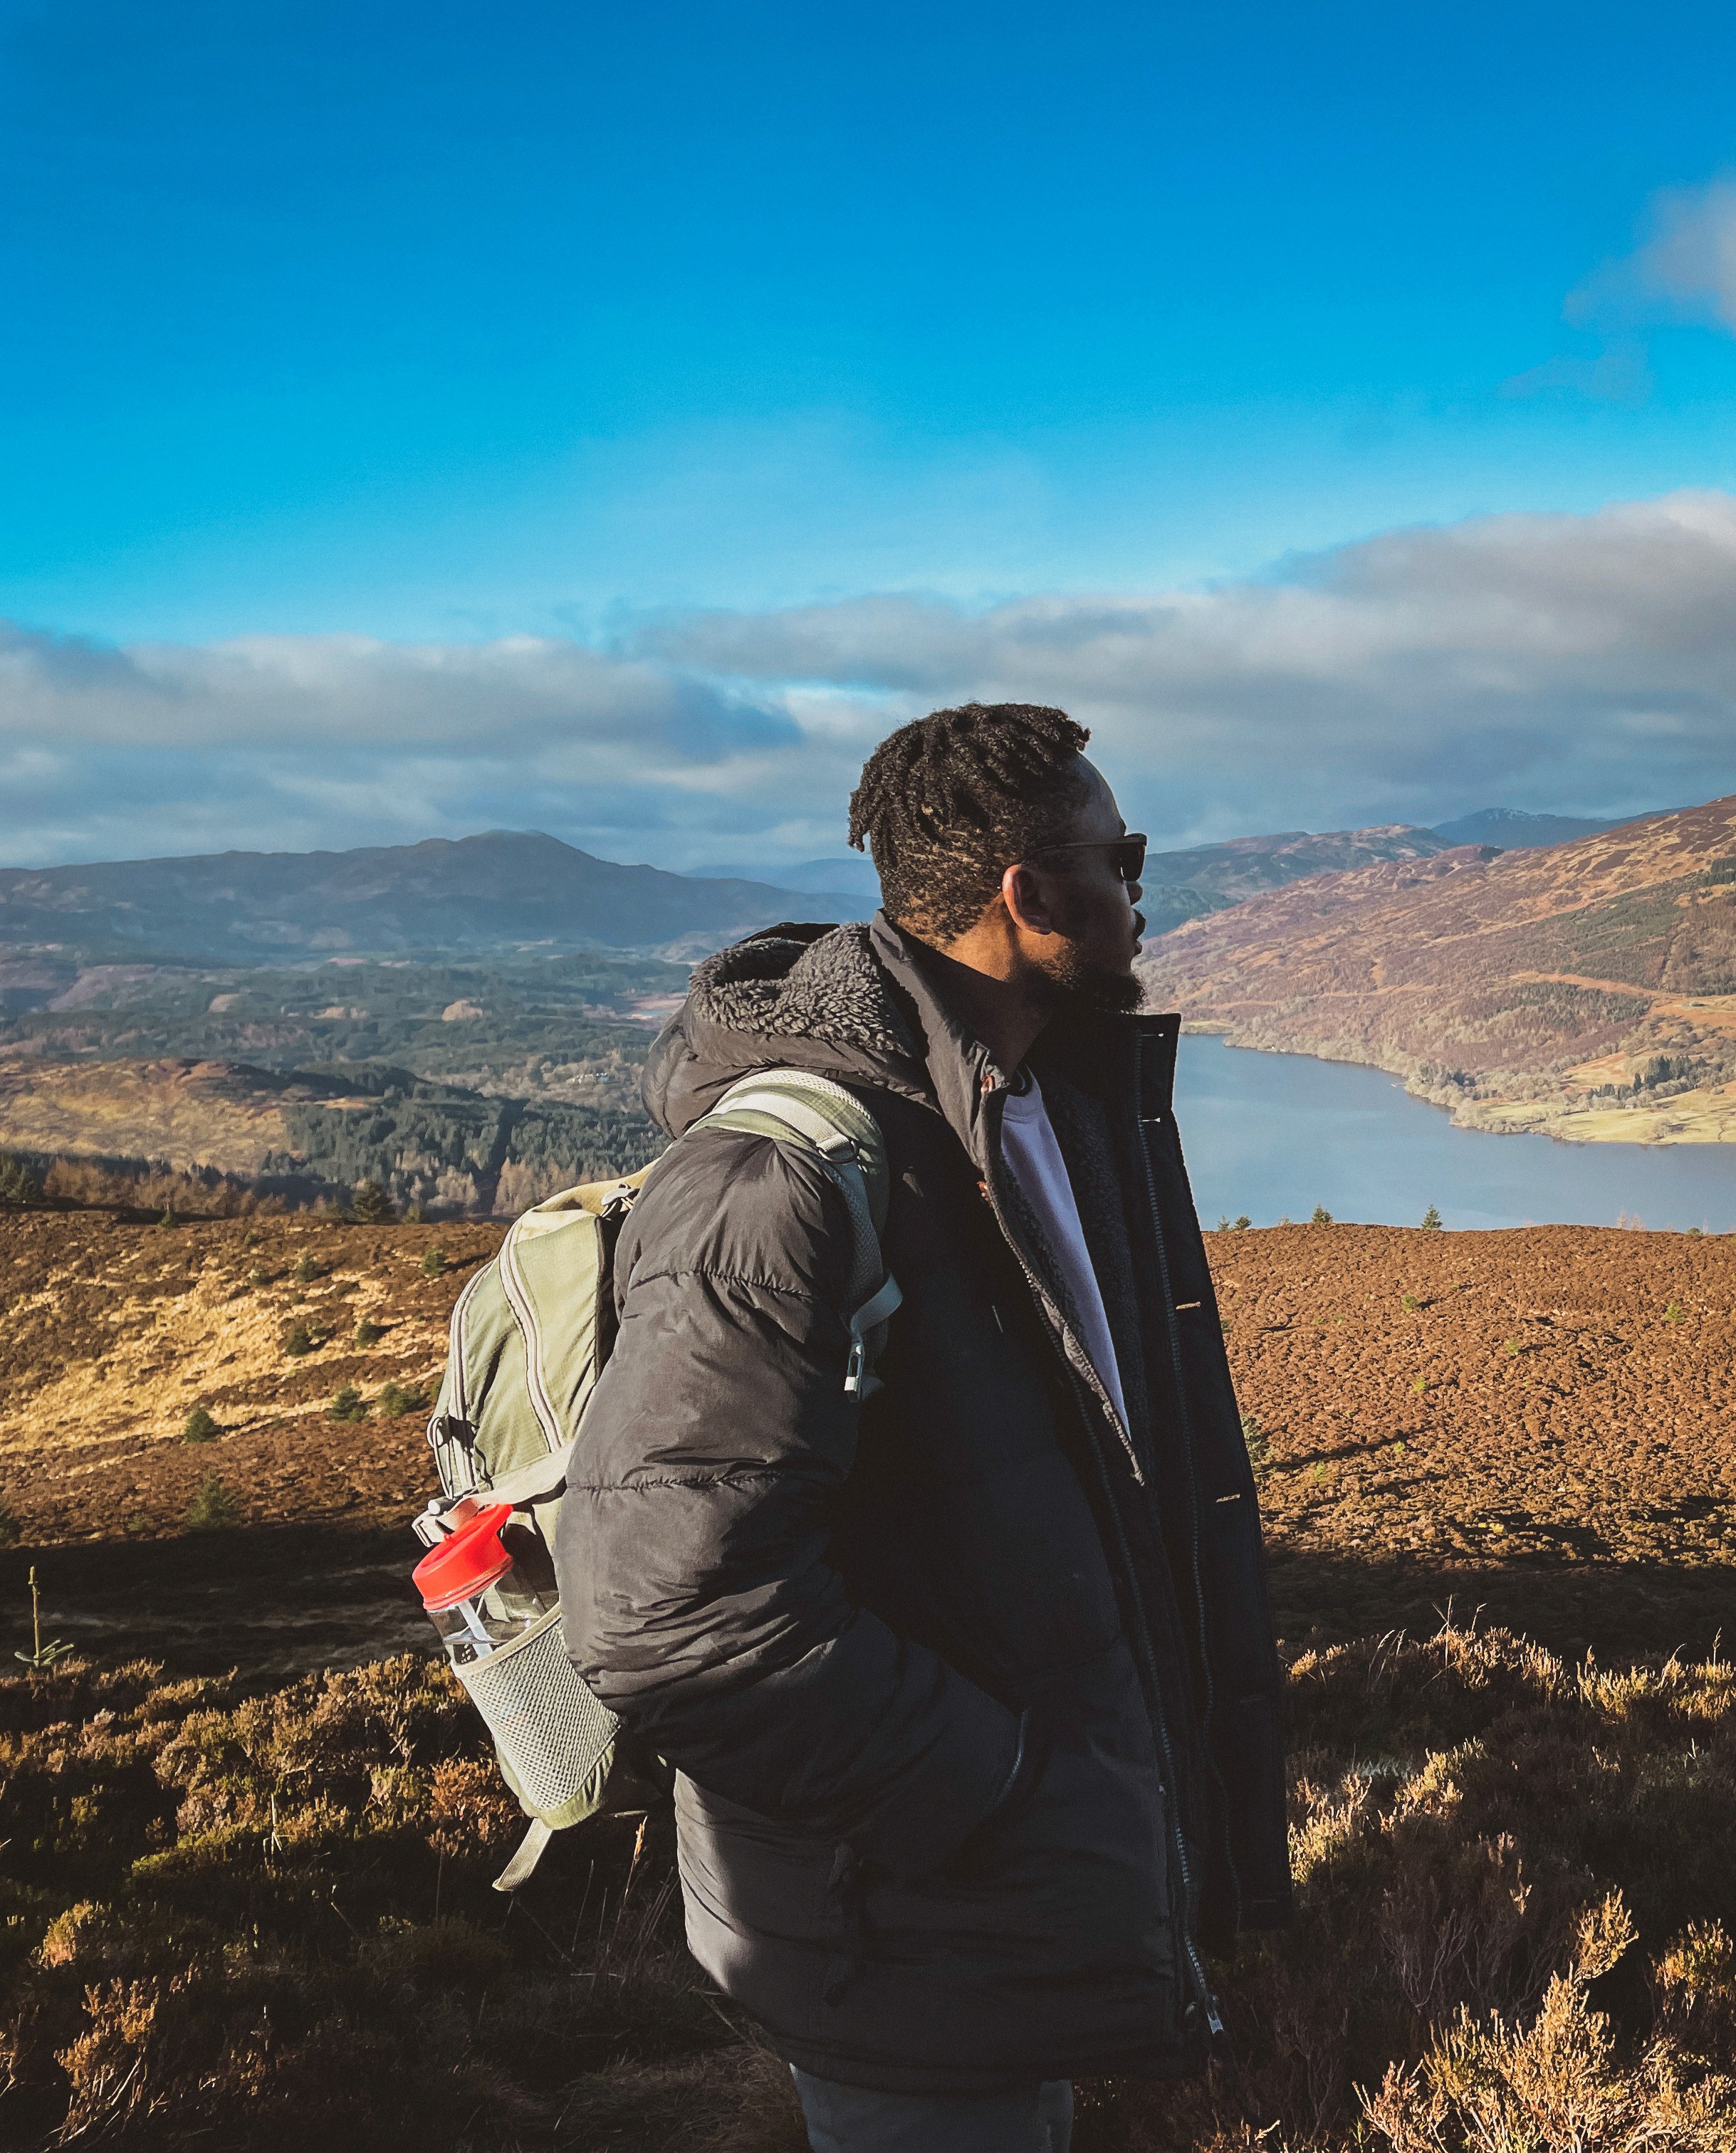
1588, 989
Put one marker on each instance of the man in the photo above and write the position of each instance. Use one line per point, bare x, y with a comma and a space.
971, 1687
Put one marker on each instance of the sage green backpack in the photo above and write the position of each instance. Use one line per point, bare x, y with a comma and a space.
530, 1333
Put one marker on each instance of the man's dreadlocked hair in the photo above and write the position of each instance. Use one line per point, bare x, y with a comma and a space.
951, 801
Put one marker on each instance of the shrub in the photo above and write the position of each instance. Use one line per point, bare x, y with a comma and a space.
1674, 1313
395, 1400
1514, 1909
1260, 1448
1318, 1474
434, 1262
1243, 1223
369, 1333
199, 1426
1319, 1216
17, 1185
213, 1508
305, 1271
347, 1404
1410, 1303
301, 1341
372, 1206
1431, 1220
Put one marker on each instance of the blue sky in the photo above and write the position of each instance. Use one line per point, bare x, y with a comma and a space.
468, 390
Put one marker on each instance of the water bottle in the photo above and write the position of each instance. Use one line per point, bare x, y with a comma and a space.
476, 1597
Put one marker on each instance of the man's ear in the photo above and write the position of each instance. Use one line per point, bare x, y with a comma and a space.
1025, 896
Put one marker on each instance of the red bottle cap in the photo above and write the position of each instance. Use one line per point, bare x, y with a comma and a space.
466, 1564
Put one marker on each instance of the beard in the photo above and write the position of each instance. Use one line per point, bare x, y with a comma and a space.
1085, 986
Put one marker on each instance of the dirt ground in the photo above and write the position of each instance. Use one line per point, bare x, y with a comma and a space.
1536, 1423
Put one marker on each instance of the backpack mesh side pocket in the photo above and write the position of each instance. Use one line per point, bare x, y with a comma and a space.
555, 1740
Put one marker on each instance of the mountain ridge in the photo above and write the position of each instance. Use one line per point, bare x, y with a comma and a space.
497, 890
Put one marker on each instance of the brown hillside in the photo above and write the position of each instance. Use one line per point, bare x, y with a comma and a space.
1569, 1461
189, 1114
116, 1332
1515, 1920
1589, 988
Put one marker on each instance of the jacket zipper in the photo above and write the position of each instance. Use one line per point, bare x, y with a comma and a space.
1154, 1705
1172, 1329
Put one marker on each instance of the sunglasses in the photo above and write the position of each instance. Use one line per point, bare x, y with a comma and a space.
1128, 853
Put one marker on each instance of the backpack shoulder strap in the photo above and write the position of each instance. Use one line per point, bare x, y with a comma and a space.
795, 1106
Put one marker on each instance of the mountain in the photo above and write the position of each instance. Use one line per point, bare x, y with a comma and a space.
497, 891
1188, 885
852, 879
1588, 988
1514, 829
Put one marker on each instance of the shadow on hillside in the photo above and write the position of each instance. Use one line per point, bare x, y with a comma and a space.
1617, 1610
271, 1600
276, 1600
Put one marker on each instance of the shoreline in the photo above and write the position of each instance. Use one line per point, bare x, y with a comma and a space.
1705, 1115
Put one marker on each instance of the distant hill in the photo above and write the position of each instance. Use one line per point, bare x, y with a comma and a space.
1586, 987
853, 879
1515, 830
505, 888
1188, 885
312, 1135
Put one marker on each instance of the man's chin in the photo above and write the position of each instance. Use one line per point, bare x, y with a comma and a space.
1102, 988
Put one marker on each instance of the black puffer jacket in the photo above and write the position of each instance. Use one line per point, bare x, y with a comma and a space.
972, 1690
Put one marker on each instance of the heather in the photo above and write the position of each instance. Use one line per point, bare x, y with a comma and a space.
233, 1918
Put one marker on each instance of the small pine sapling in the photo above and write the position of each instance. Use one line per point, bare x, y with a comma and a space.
213, 1508
372, 1206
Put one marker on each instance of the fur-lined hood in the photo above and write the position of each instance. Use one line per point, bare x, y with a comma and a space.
852, 1003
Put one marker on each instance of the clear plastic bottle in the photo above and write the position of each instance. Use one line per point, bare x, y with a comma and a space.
473, 1590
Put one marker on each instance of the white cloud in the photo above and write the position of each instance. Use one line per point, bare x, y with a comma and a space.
1522, 652
1682, 270
1685, 265
1587, 663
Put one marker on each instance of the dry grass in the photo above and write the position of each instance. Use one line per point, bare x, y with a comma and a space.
232, 1919
276, 1909
1516, 1902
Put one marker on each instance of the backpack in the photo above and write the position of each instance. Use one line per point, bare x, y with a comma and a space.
530, 1335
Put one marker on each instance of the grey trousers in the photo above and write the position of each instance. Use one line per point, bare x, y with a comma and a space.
844, 2118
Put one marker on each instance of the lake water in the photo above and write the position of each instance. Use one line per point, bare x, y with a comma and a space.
1274, 1134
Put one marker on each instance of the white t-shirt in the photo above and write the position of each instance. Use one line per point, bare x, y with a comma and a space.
1028, 1145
